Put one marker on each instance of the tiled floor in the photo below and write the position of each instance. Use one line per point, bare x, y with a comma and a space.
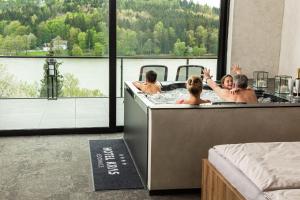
61, 113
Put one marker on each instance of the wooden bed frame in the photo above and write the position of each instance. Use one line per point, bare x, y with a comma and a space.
215, 186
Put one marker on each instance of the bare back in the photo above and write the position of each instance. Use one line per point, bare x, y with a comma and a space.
244, 95
150, 88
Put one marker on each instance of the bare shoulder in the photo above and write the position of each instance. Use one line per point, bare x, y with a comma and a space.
250, 90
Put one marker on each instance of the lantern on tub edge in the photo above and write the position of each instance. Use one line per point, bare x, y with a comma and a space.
282, 84
260, 79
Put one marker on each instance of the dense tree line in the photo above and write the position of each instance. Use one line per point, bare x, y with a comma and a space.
144, 27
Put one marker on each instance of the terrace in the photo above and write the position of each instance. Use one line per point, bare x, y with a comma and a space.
19, 112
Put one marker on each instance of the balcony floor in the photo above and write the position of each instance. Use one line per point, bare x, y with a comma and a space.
61, 113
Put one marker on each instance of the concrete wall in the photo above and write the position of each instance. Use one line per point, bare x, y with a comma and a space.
255, 35
290, 43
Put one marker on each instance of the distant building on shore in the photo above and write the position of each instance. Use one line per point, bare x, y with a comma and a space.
57, 44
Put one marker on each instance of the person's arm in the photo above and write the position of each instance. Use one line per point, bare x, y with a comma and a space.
180, 101
159, 85
138, 85
222, 93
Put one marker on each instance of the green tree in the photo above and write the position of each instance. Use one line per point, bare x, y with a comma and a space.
212, 43
144, 27
6, 83
199, 51
8, 45
201, 35
31, 41
57, 27
98, 49
76, 51
3, 24
179, 48
20, 43
127, 42
71, 88
11, 88
191, 40
73, 37
15, 28
43, 34
82, 40
58, 43
148, 47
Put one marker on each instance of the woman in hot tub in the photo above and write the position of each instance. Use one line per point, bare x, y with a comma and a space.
194, 86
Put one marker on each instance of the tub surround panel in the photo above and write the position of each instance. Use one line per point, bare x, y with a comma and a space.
181, 138
136, 137
168, 141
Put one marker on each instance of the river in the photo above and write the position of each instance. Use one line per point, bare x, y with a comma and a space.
94, 73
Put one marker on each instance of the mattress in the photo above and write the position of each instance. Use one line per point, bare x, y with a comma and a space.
260, 171
270, 166
292, 194
236, 177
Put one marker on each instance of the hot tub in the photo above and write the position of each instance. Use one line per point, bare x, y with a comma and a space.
168, 141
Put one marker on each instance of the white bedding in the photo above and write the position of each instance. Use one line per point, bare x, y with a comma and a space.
292, 194
270, 166
237, 178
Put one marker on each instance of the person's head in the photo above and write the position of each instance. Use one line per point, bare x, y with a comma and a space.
240, 81
194, 85
227, 81
151, 76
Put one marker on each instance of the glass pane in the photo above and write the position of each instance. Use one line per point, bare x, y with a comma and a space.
69, 92
168, 31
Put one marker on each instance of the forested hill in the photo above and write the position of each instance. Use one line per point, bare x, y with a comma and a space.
144, 27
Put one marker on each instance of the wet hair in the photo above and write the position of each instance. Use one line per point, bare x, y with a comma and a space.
241, 81
151, 76
194, 85
223, 79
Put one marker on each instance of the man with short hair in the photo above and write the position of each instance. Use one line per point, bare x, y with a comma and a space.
241, 94
150, 86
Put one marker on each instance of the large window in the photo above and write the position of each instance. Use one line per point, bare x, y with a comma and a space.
76, 32
165, 32
79, 35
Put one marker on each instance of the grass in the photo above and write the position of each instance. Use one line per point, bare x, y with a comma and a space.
33, 53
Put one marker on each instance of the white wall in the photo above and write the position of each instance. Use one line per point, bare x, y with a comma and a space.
255, 35
290, 43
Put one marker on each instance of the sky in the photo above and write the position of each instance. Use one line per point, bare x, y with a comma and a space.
215, 3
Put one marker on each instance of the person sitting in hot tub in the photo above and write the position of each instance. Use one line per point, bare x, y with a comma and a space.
194, 86
150, 86
242, 93
227, 80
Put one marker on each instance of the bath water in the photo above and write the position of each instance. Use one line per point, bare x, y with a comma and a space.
170, 97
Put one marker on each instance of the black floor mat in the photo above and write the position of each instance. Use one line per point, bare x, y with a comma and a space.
112, 166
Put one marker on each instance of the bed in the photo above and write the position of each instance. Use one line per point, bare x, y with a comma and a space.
260, 171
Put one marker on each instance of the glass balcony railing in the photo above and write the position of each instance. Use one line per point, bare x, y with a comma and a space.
84, 97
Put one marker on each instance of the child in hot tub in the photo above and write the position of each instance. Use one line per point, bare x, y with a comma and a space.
150, 86
194, 86
227, 80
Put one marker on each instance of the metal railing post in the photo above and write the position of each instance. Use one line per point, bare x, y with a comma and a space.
121, 77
